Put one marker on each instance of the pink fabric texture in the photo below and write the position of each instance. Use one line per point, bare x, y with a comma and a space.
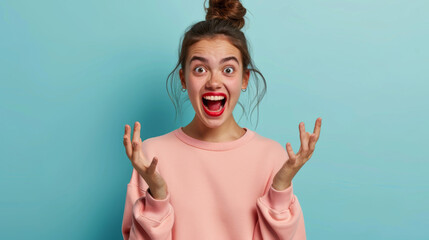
216, 190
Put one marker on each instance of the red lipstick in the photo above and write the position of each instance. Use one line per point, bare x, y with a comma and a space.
212, 113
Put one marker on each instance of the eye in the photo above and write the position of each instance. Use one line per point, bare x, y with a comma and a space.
231, 70
198, 70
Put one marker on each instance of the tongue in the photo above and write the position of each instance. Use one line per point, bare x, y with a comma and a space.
214, 105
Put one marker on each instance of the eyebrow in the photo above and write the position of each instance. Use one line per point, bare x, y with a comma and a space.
221, 61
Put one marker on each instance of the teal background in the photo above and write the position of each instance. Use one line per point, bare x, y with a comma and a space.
73, 73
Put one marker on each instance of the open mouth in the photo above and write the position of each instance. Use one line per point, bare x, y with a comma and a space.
214, 108
214, 105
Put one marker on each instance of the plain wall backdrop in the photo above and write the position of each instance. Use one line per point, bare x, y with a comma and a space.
73, 73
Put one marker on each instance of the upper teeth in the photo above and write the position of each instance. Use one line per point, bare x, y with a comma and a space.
214, 98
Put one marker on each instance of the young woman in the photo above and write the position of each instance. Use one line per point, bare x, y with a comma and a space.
213, 179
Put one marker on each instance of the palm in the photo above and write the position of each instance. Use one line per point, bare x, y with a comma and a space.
284, 176
143, 166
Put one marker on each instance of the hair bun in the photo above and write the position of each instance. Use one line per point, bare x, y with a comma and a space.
231, 10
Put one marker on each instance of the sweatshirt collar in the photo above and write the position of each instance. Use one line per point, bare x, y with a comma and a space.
214, 146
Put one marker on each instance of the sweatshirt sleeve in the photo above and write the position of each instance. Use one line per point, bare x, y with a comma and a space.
146, 218
280, 215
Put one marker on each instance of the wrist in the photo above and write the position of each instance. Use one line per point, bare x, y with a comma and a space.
158, 194
281, 186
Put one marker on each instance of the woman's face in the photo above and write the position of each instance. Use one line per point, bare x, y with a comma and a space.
214, 66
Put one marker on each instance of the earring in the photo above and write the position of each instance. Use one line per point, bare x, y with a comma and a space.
244, 90
183, 89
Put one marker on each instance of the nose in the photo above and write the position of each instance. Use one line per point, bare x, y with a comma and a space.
214, 81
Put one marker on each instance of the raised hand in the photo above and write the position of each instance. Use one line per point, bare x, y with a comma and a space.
283, 178
146, 168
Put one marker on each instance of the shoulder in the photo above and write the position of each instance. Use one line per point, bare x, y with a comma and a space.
268, 143
158, 140
275, 151
153, 146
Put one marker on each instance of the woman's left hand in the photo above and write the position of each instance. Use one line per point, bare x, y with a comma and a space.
283, 178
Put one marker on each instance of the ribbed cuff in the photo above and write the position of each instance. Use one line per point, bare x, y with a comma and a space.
279, 200
156, 209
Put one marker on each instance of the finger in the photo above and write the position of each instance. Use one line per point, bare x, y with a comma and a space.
316, 133
317, 127
136, 149
136, 138
136, 133
127, 141
152, 166
304, 138
292, 156
313, 140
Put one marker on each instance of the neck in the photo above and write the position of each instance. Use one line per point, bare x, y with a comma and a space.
228, 131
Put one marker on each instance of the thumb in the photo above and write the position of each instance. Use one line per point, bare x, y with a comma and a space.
152, 167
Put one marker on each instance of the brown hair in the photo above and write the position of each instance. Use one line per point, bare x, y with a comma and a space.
225, 18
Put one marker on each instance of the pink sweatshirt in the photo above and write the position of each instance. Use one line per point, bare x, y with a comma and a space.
216, 190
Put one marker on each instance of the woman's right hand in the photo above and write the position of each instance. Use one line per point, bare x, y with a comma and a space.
146, 168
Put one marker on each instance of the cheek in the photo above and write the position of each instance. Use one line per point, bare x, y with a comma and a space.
234, 88
194, 85
194, 92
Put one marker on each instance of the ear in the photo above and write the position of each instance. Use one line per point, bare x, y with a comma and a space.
246, 76
182, 78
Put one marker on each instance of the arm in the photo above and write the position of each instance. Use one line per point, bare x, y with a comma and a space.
279, 212
146, 218
279, 216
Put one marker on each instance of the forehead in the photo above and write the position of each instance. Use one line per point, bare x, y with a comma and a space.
214, 48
